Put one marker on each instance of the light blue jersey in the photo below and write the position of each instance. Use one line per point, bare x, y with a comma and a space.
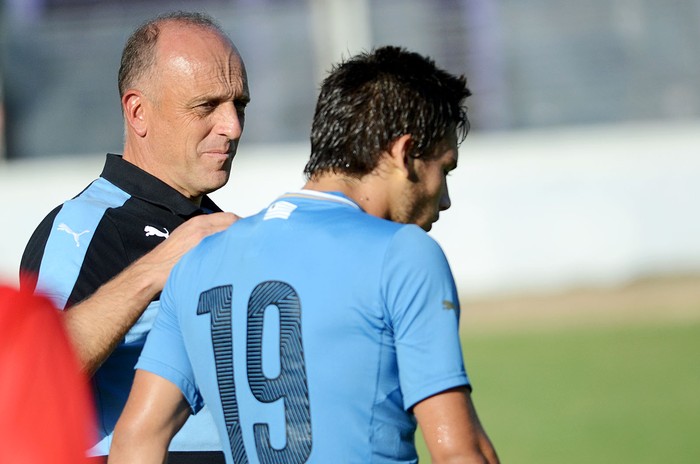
310, 330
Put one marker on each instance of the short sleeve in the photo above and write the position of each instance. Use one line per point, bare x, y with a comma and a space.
164, 353
423, 309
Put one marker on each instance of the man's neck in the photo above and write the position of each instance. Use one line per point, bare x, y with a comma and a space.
362, 191
138, 159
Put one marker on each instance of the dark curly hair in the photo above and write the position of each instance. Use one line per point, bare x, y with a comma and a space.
370, 100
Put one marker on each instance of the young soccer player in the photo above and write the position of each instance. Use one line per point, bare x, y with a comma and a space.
321, 329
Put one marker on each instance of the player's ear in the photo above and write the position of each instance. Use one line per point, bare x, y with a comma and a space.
400, 154
134, 111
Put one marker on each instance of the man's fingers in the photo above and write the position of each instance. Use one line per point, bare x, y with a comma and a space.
188, 235
200, 226
213, 221
220, 221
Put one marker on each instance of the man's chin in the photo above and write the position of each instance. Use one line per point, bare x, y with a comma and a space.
217, 181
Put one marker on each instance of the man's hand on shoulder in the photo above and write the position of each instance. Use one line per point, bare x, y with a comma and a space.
99, 323
163, 257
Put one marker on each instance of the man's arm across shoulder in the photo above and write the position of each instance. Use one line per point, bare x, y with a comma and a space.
99, 323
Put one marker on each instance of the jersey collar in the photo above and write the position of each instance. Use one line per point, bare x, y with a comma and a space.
140, 184
337, 197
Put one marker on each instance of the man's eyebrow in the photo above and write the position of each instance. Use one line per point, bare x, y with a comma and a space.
244, 98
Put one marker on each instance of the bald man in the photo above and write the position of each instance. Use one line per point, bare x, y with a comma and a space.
103, 256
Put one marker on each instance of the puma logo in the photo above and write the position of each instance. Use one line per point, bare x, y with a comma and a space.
151, 231
447, 304
76, 236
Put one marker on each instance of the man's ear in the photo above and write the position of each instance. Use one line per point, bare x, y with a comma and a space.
400, 154
133, 105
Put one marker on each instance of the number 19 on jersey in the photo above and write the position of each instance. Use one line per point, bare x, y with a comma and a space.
290, 385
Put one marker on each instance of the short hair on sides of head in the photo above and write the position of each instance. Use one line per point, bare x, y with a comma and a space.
139, 57
373, 98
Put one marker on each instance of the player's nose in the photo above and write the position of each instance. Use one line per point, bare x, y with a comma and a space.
445, 201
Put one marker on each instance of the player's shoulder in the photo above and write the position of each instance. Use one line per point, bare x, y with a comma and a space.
212, 246
413, 238
405, 242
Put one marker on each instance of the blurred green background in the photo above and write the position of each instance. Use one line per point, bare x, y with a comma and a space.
608, 378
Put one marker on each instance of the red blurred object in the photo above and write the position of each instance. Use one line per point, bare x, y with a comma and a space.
46, 412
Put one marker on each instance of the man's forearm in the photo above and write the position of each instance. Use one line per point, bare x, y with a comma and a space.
99, 323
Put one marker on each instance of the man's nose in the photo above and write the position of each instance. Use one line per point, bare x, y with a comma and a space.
230, 121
